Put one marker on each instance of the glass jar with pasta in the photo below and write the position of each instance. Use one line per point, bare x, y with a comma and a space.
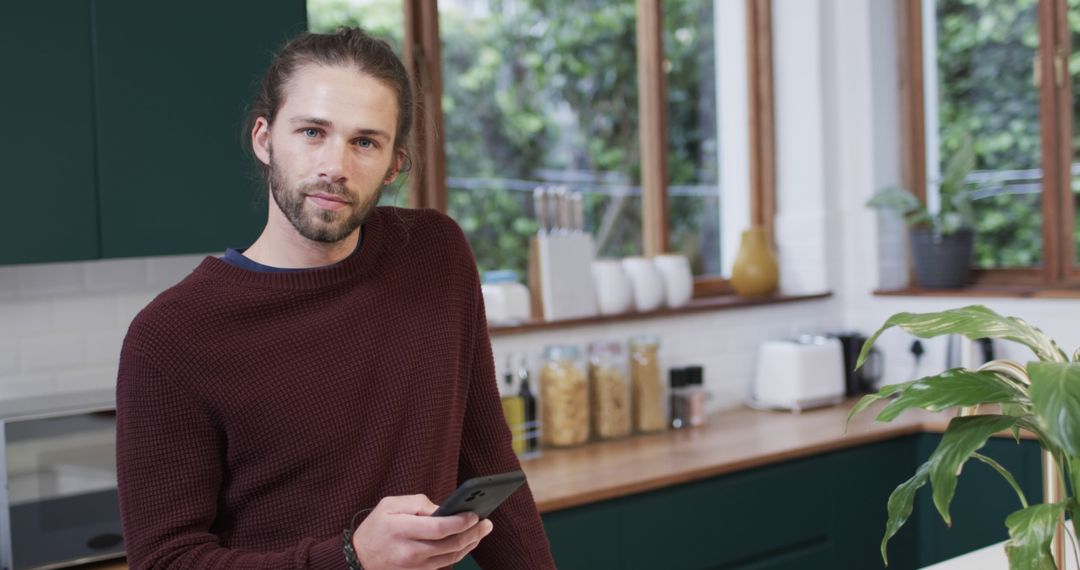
609, 390
649, 410
564, 397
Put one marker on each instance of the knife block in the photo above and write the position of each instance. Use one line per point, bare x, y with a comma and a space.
560, 276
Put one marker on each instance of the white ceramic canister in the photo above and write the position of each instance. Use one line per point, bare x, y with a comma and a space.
678, 278
646, 282
506, 300
614, 294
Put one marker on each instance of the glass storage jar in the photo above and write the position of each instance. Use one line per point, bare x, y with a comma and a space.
649, 413
564, 397
609, 390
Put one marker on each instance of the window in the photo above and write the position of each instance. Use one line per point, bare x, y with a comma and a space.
614, 99
996, 75
524, 106
693, 159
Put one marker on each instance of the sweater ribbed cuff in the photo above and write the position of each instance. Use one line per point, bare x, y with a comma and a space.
327, 554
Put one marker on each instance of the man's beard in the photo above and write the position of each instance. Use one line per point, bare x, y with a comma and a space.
325, 226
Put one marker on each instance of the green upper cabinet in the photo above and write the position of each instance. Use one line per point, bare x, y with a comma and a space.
173, 80
47, 151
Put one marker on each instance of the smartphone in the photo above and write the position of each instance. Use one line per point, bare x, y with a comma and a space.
481, 495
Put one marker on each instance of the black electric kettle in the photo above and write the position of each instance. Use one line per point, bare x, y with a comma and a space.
864, 379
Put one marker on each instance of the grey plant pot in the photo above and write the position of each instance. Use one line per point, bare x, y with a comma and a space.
942, 261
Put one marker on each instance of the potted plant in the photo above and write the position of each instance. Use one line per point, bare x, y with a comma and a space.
941, 244
1041, 398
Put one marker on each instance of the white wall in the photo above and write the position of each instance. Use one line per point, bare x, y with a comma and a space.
801, 187
61, 324
724, 342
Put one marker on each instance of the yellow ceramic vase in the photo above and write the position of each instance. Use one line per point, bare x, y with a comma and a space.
755, 273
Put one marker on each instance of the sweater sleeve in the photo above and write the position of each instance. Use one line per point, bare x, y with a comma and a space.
518, 539
169, 470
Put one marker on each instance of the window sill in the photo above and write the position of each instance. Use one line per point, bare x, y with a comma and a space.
699, 305
1007, 291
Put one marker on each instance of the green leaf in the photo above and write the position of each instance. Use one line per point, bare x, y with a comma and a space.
900, 504
974, 322
1010, 370
954, 387
898, 200
963, 437
869, 399
1015, 410
1030, 532
1006, 475
1055, 395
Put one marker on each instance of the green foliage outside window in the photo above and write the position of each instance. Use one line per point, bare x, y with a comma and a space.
985, 54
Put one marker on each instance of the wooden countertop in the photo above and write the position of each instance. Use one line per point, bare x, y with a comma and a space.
733, 440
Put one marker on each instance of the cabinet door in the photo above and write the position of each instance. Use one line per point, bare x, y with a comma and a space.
862, 480
173, 81
47, 152
982, 502
808, 558
584, 538
743, 519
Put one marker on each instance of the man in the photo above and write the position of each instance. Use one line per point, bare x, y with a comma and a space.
341, 363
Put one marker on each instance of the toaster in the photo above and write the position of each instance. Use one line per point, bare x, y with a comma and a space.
799, 374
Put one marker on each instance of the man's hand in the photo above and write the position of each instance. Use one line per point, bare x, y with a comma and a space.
400, 533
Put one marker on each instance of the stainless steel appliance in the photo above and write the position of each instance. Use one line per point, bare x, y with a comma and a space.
58, 500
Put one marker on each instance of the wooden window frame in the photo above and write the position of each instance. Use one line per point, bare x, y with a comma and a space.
1055, 114
427, 184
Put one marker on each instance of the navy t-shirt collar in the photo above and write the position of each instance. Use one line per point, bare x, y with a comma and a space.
235, 257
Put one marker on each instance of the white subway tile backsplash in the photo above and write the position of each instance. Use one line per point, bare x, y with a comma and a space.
116, 275
104, 347
82, 379
19, 318
164, 272
84, 313
130, 304
26, 385
9, 357
49, 279
52, 352
9, 281
724, 342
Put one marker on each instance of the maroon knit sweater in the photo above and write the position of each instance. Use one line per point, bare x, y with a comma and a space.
257, 412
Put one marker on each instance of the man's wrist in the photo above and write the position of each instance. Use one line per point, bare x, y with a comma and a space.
347, 546
351, 559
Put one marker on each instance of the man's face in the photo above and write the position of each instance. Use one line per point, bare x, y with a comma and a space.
330, 149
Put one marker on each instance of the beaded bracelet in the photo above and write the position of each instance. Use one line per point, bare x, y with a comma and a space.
346, 542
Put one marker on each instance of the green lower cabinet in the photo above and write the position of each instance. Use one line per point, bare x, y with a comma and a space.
803, 558
982, 502
821, 512
586, 537
862, 479
734, 520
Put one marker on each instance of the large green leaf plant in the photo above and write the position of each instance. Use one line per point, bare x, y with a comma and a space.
1041, 398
